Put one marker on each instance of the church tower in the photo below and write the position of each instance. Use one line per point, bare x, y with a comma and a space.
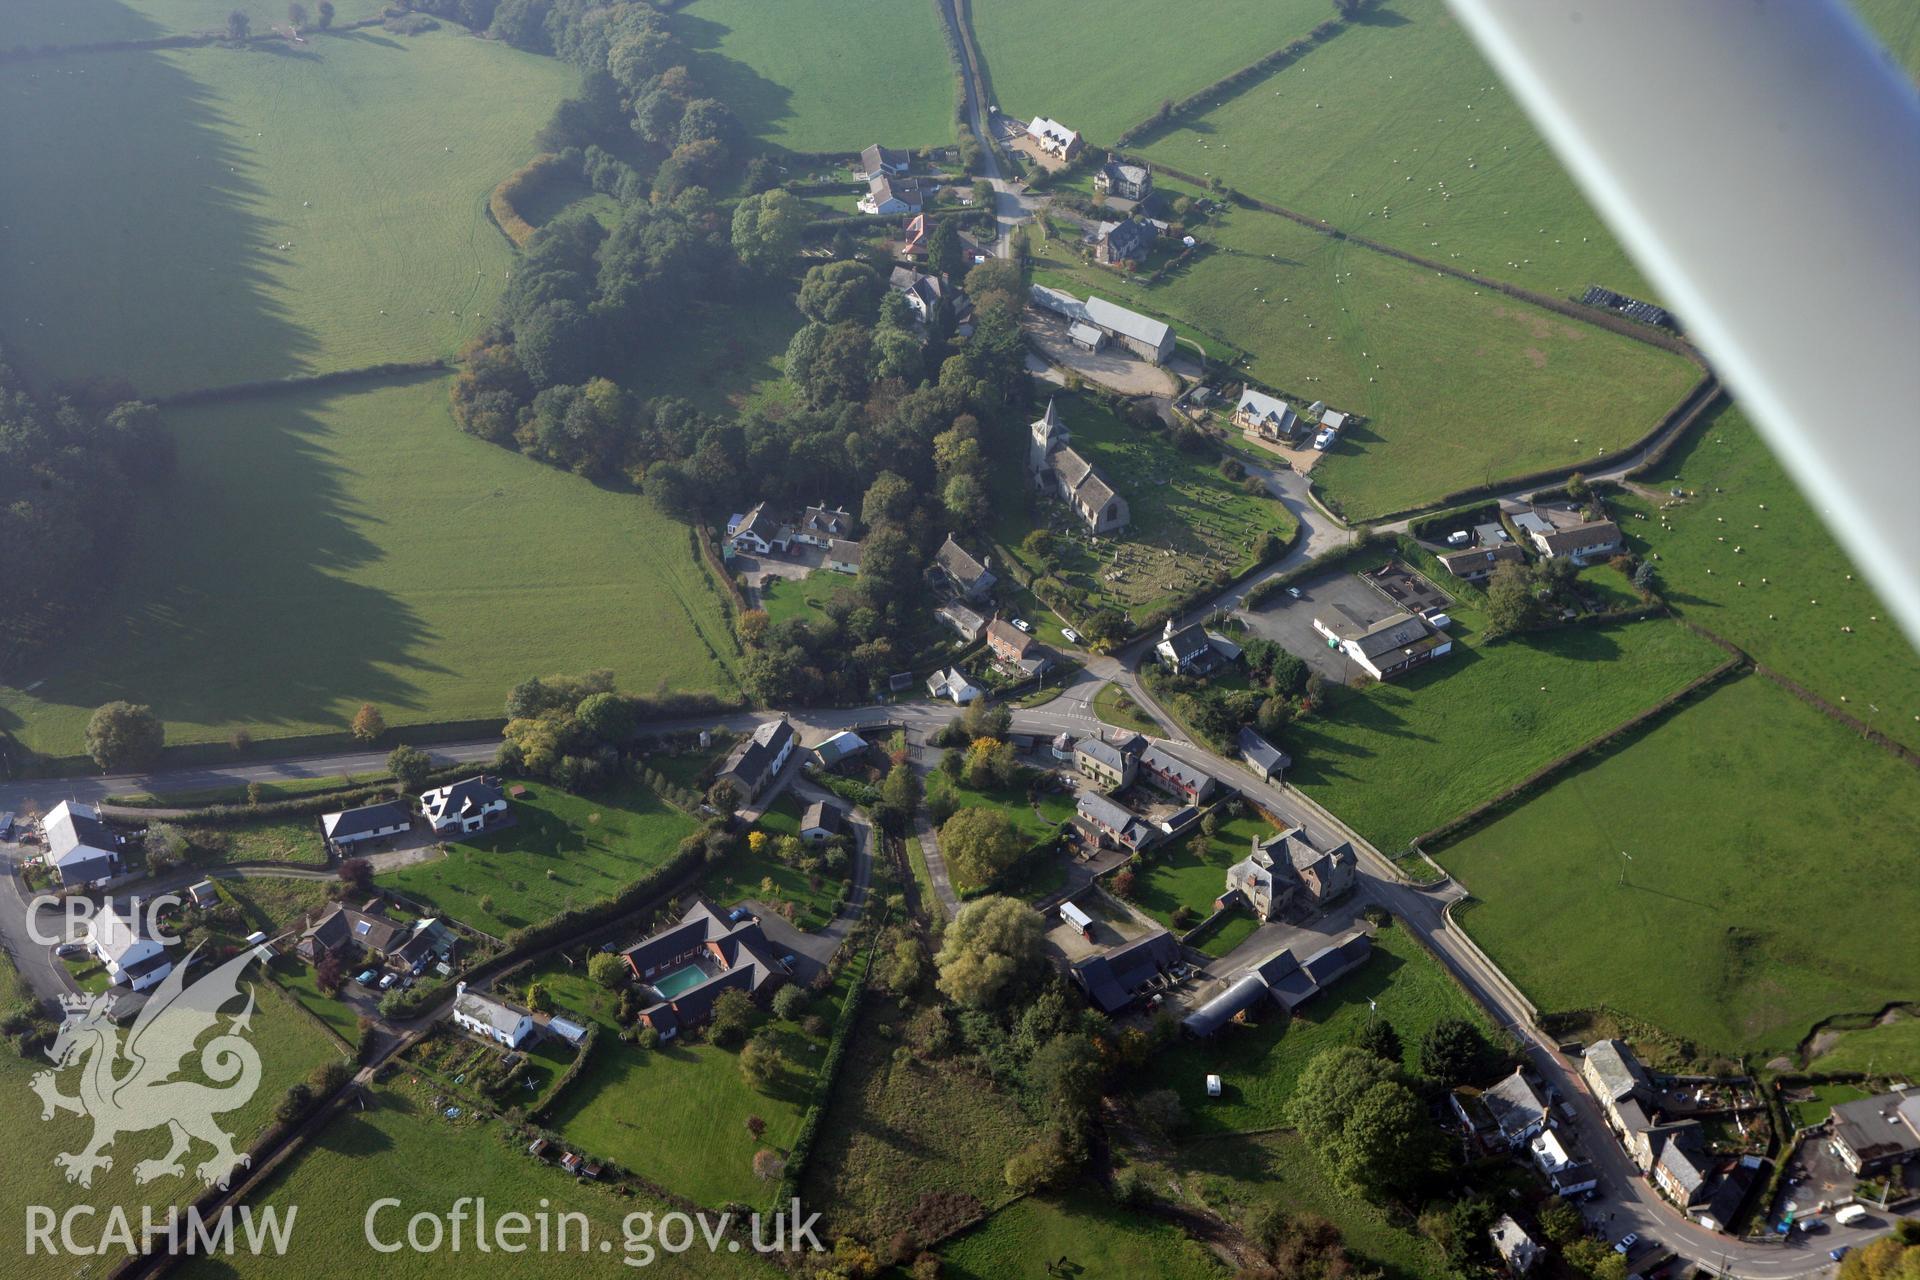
1047, 434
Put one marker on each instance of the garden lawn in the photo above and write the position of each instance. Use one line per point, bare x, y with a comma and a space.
1397, 760
317, 550
400, 1148
565, 852
1891, 1045
1396, 129
1259, 1064
1741, 814
1458, 387
32, 23
895, 1131
678, 1114
746, 874
784, 600
1733, 475
1104, 76
198, 217
293, 840
1055, 807
289, 1044
833, 75
1180, 502
1096, 1235
295, 976
1175, 876
275, 905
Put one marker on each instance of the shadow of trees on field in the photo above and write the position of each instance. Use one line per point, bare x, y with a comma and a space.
758, 102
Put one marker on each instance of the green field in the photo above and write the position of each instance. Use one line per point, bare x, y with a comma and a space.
678, 1114
1396, 129
386, 558
295, 840
1458, 387
1094, 1235
1897, 24
152, 192
1115, 706
1893, 1044
1180, 503
33, 23
289, 1044
1771, 882
400, 1148
785, 600
1397, 760
1178, 875
296, 977
1258, 1065
832, 76
1762, 595
565, 851
1050, 59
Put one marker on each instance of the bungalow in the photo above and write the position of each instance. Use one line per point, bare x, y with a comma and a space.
822, 822
963, 620
884, 162
1175, 776
1388, 648
465, 807
1127, 181
1476, 564
1109, 764
689, 965
963, 573
1515, 1247
757, 533
1127, 241
1267, 416
1016, 651
369, 822
350, 933
844, 557
1873, 1134
1268, 762
489, 1018
953, 685
838, 749
758, 758
1287, 872
887, 195
80, 847
1117, 978
1106, 822
1054, 138
822, 526
1282, 979
1557, 532
120, 942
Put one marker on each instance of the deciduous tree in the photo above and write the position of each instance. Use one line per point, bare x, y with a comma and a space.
991, 944
124, 735
368, 724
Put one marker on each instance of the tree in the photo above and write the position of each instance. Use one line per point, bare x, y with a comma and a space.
732, 1014
608, 970
165, 846
298, 1102
762, 1063
1577, 487
1380, 1039
1561, 1222
1597, 1260
326, 14
1453, 1052
239, 25
979, 844
789, 1003
1044, 1163
991, 944
368, 724
1161, 1111
945, 254
724, 795
409, 766
608, 716
357, 874
297, 16
1124, 881
766, 231
328, 973
1512, 603
835, 292
767, 1164
123, 735
1372, 1131
1066, 1072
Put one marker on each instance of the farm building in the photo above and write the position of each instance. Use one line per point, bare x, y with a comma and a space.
1146, 337
837, 749
1055, 465
1086, 336
1282, 979
1115, 980
964, 621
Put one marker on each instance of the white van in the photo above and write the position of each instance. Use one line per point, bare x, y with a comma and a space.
1847, 1215
1324, 440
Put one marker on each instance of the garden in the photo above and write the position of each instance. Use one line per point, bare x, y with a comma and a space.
1177, 883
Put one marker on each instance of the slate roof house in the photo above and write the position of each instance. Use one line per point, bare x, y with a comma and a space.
1175, 776
963, 573
1017, 651
1189, 650
1617, 1081
891, 195
1476, 564
1877, 1133
489, 1018
968, 624
1266, 415
1505, 1116
132, 957
821, 525
690, 964
952, 685
756, 759
1515, 1247
465, 807
1557, 532
822, 822
1107, 822
1127, 241
1267, 761
1282, 979
1127, 181
80, 847
884, 162
1285, 872
350, 933
1055, 465
1150, 339
1390, 647
1112, 765
758, 533
1115, 979
1565, 1175
369, 822
845, 557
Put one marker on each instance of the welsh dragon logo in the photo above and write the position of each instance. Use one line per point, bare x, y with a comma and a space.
133, 1087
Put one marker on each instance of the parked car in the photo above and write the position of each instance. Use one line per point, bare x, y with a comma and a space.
387, 980
1073, 637
738, 914
66, 949
1213, 1086
1023, 624
1841, 1252
789, 960
1294, 592
1627, 1242
365, 977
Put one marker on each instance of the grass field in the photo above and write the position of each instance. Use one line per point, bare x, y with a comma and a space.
296, 977
1396, 129
401, 1148
386, 558
724, 356
155, 191
289, 1045
791, 74
1893, 1044
678, 1114
295, 840
1115, 706
1398, 759
1771, 882
1761, 597
1458, 387
33, 23
897, 1130
1258, 1065
1096, 1236
566, 851
1048, 59
1180, 503
288, 789
784, 599
1897, 24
